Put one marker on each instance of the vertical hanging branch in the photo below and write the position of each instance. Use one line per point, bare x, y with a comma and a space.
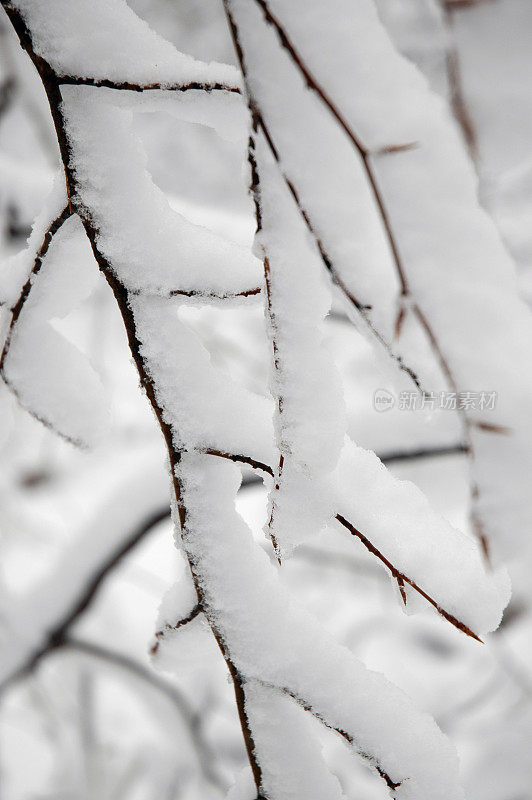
309, 416
454, 78
126, 304
254, 44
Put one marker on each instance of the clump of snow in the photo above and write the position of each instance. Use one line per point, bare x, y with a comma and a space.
151, 247
55, 382
310, 417
204, 406
291, 760
106, 40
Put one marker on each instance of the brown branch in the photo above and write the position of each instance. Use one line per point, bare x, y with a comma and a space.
454, 78
241, 459
392, 785
79, 80
258, 121
196, 611
401, 578
200, 293
51, 84
215, 295
273, 339
364, 152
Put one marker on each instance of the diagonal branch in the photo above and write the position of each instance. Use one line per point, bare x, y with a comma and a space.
257, 120
196, 611
399, 576
171, 692
392, 785
401, 579
16, 309
57, 634
454, 78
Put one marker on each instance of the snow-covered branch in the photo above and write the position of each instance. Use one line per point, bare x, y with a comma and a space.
155, 261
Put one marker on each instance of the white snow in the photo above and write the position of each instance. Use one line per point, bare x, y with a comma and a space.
151, 247
105, 39
273, 641
310, 413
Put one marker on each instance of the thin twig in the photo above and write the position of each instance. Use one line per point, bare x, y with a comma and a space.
171, 692
396, 573
391, 784
16, 309
79, 80
196, 611
401, 578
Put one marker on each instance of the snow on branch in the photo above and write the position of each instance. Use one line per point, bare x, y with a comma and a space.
79, 43
154, 260
272, 641
151, 247
50, 377
386, 156
310, 415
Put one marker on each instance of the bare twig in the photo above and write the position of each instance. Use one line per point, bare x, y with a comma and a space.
401, 579
171, 692
60, 630
399, 456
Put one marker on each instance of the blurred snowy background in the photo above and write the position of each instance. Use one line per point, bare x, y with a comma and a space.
94, 719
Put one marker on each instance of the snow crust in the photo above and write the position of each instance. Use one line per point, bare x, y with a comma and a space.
105, 39
50, 376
